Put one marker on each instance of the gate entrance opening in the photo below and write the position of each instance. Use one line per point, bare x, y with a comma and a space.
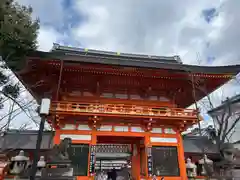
124, 154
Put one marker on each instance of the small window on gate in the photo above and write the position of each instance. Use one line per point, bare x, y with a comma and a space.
107, 95
165, 161
87, 94
121, 96
135, 96
79, 158
153, 98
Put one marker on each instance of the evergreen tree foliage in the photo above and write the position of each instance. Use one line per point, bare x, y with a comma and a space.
18, 36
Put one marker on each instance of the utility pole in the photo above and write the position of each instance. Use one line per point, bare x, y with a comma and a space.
44, 111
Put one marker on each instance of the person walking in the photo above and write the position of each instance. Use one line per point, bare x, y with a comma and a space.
114, 174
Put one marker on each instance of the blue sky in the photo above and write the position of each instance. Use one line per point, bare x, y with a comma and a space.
202, 32
209, 14
159, 27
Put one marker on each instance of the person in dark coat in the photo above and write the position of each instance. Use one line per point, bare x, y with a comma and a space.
109, 175
113, 174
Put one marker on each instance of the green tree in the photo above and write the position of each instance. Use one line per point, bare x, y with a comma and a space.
18, 36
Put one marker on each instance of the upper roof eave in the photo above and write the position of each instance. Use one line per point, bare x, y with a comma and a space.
76, 58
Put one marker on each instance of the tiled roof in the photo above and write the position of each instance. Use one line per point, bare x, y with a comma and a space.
237, 142
24, 140
195, 144
110, 54
71, 55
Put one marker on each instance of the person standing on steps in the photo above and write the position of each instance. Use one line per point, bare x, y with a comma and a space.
113, 174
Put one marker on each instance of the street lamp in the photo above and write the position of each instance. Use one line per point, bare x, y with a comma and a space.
43, 112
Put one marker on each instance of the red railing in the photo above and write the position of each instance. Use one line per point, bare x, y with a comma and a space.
121, 109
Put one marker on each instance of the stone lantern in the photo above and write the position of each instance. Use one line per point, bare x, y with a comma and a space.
191, 168
19, 163
40, 165
226, 167
205, 162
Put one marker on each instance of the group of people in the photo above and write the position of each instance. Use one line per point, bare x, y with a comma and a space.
112, 174
122, 174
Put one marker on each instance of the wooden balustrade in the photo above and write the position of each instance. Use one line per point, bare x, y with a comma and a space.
121, 109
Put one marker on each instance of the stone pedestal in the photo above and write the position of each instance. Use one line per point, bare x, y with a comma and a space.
58, 170
59, 166
225, 169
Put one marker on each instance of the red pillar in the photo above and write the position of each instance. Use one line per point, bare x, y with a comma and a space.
181, 158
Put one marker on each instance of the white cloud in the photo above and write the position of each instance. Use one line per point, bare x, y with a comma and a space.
226, 45
156, 27
161, 27
46, 38
151, 27
164, 28
49, 12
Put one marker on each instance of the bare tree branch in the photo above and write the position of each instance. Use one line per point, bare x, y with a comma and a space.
223, 118
24, 90
13, 116
233, 126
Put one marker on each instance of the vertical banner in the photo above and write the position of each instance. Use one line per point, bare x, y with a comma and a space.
92, 160
149, 161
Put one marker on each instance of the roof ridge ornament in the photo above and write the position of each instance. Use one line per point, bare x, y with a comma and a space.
178, 59
57, 47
